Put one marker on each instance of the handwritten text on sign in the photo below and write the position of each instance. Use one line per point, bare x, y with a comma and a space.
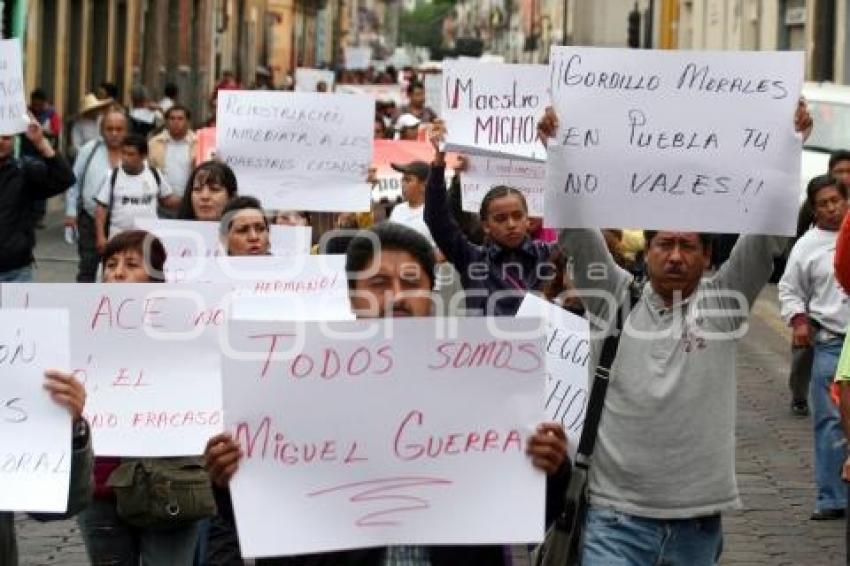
494, 108
417, 433
35, 454
567, 355
13, 105
148, 356
678, 140
274, 288
296, 150
483, 173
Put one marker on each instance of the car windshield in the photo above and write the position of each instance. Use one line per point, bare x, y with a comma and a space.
832, 126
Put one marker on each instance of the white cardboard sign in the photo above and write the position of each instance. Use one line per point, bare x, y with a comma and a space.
484, 172
358, 58
148, 355
35, 454
306, 287
674, 140
13, 104
420, 432
567, 372
298, 150
306, 79
188, 242
493, 109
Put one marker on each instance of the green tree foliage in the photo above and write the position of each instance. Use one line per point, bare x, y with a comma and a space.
423, 27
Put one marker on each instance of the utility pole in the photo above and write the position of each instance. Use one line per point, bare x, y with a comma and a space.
565, 23
648, 24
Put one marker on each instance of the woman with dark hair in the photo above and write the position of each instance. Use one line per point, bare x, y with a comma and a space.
210, 187
133, 256
244, 228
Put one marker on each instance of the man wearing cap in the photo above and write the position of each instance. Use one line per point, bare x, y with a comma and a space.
411, 212
407, 127
87, 125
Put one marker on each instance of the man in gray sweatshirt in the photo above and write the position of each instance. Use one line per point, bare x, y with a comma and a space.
664, 465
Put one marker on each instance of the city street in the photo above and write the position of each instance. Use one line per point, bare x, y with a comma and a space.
773, 458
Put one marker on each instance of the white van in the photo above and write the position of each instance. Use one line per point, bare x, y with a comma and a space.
829, 105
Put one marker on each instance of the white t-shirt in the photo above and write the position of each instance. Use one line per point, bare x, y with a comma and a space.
414, 218
134, 196
178, 165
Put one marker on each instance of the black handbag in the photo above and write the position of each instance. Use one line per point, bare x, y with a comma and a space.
562, 544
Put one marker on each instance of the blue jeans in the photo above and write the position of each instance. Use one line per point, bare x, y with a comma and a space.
612, 538
829, 438
112, 542
19, 275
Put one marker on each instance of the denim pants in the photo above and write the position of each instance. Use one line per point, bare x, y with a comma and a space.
612, 538
112, 542
19, 275
829, 438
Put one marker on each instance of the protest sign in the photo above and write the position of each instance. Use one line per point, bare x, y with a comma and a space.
148, 355
13, 104
493, 109
306, 79
358, 58
308, 287
567, 375
418, 430
296, 150
433, 83
205, 145
35, 454
483, 173
378, 93
675, 140
401, 152
196, 238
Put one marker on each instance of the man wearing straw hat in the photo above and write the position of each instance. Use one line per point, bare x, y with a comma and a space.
87, 124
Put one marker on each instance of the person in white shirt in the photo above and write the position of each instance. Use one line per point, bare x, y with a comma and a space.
411, 212
93, 164
145, 116
170, 92
818, 310
172, 151
130, 191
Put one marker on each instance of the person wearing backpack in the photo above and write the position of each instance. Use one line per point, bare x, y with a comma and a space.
93, 164
129, 192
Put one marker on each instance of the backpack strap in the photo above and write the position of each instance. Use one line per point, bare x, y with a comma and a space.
158, 178
599, 388
113, 177
82, 184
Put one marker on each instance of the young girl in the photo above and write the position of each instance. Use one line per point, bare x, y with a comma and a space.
497, 274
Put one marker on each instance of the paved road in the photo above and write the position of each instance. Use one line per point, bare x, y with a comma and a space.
773, 458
